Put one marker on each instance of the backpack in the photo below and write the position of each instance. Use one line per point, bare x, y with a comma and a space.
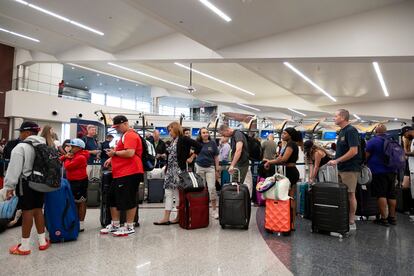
148, 154
9, 147
47, 169
394, 154
254, 148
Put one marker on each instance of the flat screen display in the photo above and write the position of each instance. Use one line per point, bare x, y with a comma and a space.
163, 131
329, 135
195, 131
265, 133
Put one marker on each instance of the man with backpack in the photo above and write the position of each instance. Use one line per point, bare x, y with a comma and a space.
383, 176
127, 173
240, 152
30, 201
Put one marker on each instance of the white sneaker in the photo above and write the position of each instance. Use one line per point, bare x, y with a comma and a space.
215, 214
123, 232
109, 229
352, 227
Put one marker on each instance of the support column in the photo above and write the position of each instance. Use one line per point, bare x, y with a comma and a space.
155, 108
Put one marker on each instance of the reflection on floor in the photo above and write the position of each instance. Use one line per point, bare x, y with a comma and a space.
372, 250
153, 250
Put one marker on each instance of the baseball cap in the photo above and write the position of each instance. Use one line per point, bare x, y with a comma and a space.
119, 119
77, 143
308, 144
405, 129
31, 126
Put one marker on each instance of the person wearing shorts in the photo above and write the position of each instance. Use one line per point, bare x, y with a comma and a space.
347, 159
75, 163
127, 172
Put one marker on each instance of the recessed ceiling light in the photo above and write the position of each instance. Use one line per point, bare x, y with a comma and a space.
395, 119
73, 68
136, 84
98, 74
216, 10
146, 75
244, 105
19, 35
60, 17
303, 76
356, 117
380, 78
214, 78
295, 111
117, 79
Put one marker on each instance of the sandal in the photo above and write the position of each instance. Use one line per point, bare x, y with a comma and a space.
162, 223
46, 246
174, 222
16, 251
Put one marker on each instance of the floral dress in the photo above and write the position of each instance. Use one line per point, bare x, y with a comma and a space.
172, 178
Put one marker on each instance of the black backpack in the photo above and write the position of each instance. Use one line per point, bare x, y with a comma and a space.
47, 169
254, 148
9, 147
148, 154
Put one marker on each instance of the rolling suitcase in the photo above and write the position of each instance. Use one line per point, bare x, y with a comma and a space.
301, 189
235, 206
105, 212
308, 204
366, 204
330, 208
403, 199
155, 190
278, 217
193, 210
94, 194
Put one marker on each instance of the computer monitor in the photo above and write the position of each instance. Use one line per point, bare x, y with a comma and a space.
329, 135
265, 133
195, 131
163, 131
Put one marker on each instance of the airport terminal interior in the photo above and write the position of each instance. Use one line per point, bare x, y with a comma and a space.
290, 75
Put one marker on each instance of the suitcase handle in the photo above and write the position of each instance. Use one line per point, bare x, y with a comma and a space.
231, 176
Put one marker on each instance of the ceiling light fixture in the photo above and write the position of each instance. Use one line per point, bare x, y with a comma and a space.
244, 105
19, 35
303, 76
146, 75
356, 117
60, 17
300, 113
380, 78
216, 10
104, 73
214, 78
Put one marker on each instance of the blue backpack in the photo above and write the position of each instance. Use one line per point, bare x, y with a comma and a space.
61, 216
394, 154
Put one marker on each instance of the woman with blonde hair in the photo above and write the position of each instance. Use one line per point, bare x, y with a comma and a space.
178, 156
315, 156
48, 134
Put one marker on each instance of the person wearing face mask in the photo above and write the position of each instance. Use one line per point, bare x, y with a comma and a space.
207, 165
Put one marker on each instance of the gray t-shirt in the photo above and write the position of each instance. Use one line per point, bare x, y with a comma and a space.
238, 136
269, 149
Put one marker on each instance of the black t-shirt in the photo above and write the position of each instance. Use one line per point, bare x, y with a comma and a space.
238, 136
348, 137
295, 152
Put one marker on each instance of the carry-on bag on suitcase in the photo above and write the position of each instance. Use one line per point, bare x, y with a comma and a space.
61, 217
330, 208
367, 205
105, 212
278, 217
193, 210
235, 206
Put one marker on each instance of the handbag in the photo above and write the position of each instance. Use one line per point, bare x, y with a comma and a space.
191, 182
280, 189
365, 177
8, 207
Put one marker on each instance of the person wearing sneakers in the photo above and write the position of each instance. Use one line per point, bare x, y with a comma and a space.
383, 177
127, 173
407, 133
75, 163
348, 159
30, 201
207, 165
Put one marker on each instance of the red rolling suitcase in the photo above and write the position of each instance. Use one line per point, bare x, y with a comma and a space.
193, 210
278, 216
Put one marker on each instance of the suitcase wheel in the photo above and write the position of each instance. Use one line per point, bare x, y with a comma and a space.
286, 234
223, 226
269, 231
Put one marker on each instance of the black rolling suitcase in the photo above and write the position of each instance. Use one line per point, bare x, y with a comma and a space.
105, 214
330, 208
155, 190
403, 199
235, 206
366, 204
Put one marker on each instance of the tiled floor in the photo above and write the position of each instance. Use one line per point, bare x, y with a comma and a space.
153, 250
371, 250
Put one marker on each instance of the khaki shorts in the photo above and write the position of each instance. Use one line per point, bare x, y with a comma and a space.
350, 179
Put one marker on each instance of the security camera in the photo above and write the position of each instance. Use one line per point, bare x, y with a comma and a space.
191, 89
80, 115
54, 113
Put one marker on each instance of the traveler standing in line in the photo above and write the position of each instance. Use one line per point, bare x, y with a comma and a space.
91, 145
179, 153
289, 157
187, 132
104, 147
75, 163
240, 152
207, 166
160, 148
269, 148
317, 157
383, 177
408, 133
48, 134
348, 159
30, 201
224, 149
127, 173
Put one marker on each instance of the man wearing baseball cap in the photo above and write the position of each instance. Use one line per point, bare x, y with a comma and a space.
127, 172
30, 201
75, 163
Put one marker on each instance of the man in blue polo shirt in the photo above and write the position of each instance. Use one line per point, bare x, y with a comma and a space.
383, 177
